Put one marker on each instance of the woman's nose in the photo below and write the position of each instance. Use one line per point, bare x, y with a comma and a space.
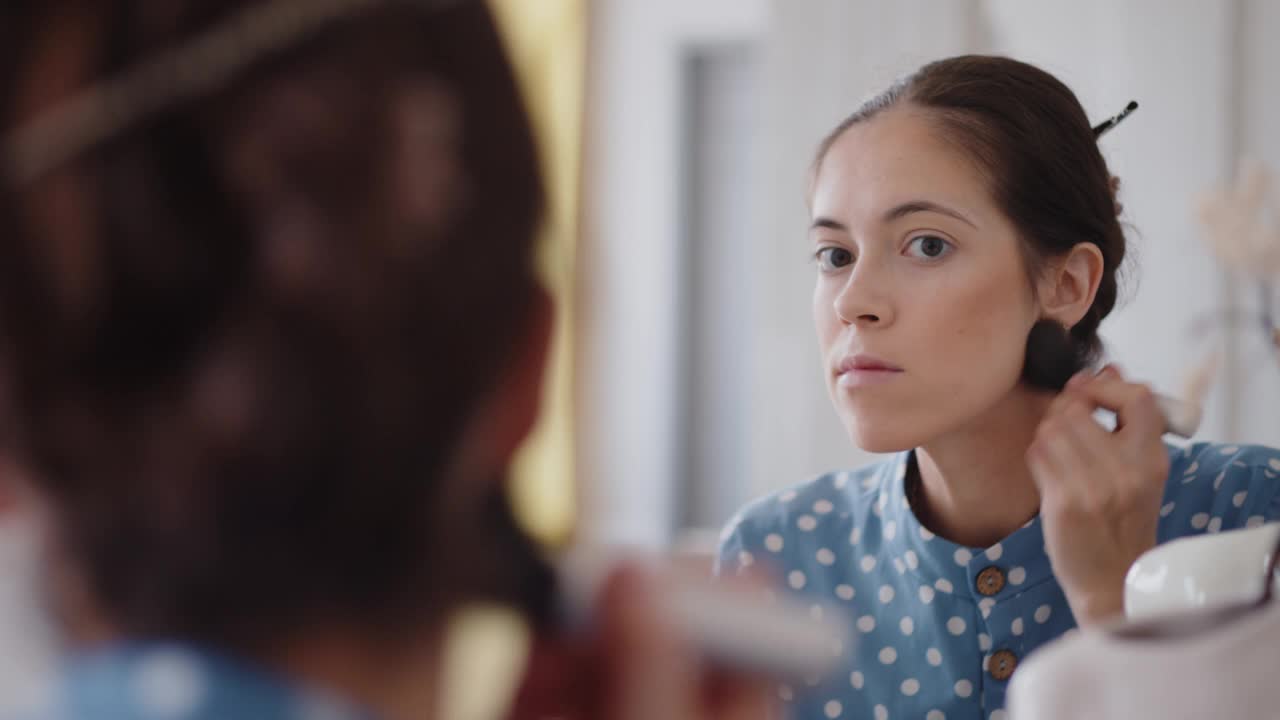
862, 302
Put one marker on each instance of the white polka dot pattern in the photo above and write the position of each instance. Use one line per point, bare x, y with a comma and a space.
169, 684
985, 605
1043, 613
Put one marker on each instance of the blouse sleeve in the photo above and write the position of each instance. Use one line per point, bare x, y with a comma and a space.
1261, 489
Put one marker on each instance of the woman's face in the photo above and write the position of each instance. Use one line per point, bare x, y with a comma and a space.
922, 303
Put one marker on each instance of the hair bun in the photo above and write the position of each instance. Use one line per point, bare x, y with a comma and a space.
1052, 358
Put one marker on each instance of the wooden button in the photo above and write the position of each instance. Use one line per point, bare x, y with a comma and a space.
1002, 664
990, 581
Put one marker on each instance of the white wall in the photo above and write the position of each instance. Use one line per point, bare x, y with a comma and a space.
629, 267
1258, 128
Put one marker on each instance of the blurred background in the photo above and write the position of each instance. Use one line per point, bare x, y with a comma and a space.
677, 135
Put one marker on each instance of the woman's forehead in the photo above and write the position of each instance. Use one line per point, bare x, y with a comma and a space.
897, 156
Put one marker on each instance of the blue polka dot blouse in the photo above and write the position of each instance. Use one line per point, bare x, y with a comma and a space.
939, 628
172, 682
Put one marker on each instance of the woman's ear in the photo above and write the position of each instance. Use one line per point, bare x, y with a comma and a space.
1070, 284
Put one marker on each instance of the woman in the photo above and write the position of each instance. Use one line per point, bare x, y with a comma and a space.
271, 334
961, 212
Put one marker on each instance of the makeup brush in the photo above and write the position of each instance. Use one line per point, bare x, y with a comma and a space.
1052, 360
742, 631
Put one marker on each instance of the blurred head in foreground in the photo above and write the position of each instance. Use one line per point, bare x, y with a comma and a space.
271, 330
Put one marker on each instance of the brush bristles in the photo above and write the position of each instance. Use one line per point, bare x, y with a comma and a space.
1051, 357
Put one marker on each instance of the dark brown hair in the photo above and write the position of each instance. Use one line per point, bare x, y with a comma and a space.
240, 380
1031, 138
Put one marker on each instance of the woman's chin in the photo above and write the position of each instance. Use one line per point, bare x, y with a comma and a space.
881, 435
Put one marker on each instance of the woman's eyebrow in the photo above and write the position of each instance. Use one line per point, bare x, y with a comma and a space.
915, 206
898, 212
825, 222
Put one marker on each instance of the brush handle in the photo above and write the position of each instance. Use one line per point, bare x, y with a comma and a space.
738, 630
1181, 418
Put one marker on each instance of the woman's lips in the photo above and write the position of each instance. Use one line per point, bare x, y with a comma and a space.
865, 377
864, 370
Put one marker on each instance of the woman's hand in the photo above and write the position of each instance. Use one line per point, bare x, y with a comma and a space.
1100, 491
636, 666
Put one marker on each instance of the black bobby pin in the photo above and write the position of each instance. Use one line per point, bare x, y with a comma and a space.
1114, 120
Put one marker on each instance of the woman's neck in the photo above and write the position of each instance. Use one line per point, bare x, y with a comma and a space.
975, 487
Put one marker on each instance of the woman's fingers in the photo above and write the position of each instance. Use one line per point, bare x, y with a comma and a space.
1099, 489
650, 671
654, 672
1137, 412
738, 698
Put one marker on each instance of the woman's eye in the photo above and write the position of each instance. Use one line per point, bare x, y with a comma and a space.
831, 259
928, 247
